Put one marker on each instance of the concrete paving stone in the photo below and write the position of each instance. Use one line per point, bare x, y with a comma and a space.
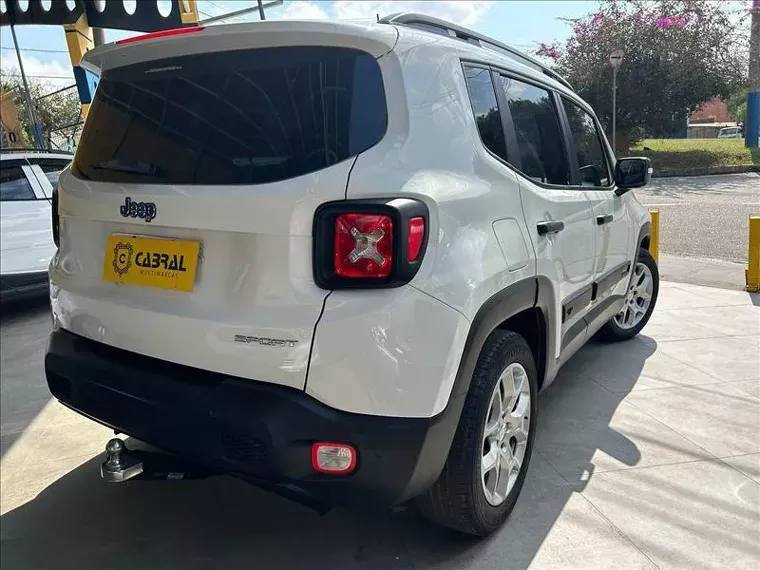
674, 297
748, 464
719, 321
552, 527
581, 432
679, 324
17, 418
751, 387
685, 296
711, 272
729, 359
691, 516
720, 297
720, 418
642, 367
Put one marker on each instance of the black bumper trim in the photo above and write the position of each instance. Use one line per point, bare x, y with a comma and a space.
254, 430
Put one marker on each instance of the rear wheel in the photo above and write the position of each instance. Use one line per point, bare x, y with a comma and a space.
489, 456
640, 300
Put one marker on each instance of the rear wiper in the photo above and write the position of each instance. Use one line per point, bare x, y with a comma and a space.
140, 168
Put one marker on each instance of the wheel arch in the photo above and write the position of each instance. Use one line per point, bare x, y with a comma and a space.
644, 236
525, 307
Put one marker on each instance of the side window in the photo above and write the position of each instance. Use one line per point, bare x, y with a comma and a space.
13, 185
539, 139
486, 109
588, 146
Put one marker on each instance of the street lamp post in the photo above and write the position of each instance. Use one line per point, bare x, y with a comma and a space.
615, 60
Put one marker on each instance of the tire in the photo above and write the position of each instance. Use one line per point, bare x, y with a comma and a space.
458, 498
613, 331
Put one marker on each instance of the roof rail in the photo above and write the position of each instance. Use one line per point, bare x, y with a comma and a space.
441, 27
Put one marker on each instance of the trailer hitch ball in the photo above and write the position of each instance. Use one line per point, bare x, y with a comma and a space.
119, 466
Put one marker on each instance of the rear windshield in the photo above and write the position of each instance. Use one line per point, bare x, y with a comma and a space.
241, 117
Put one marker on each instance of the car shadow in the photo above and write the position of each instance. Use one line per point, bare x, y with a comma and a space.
79, 521
23, 391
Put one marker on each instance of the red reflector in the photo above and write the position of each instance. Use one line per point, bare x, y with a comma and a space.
416, 236
334, 458
363, 245
161, 34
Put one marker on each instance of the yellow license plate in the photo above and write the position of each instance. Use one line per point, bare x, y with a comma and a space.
151, 262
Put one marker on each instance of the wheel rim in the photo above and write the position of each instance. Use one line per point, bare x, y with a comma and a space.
638, 299
505, 435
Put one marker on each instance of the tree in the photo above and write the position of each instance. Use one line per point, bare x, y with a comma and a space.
678, 55
736, 104
59, 114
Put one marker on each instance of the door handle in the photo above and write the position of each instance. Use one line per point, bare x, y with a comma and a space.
550, 227
601, 220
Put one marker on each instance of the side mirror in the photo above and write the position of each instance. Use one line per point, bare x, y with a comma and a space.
632, 172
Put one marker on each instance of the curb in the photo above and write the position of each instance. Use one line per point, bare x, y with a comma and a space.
706, 170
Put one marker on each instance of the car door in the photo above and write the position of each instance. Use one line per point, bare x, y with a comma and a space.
558, 215
613, 235
26, 243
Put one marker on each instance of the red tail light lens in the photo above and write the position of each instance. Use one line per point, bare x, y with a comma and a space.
333, 458
161, 34
415, 237
363, 245
369, 244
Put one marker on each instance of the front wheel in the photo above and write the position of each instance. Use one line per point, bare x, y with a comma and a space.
640, 300
489, 456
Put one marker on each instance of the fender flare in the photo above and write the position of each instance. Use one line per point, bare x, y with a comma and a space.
528, 293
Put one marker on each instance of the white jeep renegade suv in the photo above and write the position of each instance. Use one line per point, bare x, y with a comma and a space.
339, 259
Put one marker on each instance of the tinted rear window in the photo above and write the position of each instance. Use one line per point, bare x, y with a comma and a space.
242, 117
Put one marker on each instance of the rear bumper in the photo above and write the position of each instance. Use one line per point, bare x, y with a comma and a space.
258, 431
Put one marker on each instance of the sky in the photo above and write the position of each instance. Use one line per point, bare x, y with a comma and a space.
520, 23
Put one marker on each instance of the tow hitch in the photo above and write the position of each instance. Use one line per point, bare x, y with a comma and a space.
123, 464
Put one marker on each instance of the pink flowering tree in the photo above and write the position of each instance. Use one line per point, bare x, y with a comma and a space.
678, 55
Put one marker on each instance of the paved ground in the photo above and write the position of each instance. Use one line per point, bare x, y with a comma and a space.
704, 216
648, 456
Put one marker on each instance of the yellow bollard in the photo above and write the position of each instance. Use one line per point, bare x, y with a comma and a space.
654, 238
752, 274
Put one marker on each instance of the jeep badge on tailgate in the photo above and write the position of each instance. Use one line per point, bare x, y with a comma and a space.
144, 210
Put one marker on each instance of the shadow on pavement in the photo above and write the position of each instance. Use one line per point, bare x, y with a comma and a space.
23, 391
80, 521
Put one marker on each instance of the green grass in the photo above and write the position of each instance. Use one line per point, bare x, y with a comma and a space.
671, 154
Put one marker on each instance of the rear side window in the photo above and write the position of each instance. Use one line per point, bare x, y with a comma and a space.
242, 117
539, 139
588, 146
486, 109
13, 184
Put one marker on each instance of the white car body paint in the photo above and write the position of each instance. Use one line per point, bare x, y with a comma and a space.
392, 352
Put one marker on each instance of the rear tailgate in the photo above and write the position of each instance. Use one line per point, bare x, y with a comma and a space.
186, 217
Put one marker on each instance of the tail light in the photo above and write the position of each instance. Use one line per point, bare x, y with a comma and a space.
55, 222
369, 243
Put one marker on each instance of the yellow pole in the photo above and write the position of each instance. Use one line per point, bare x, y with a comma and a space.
654, 238
188, 11
752, 273
79, 40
